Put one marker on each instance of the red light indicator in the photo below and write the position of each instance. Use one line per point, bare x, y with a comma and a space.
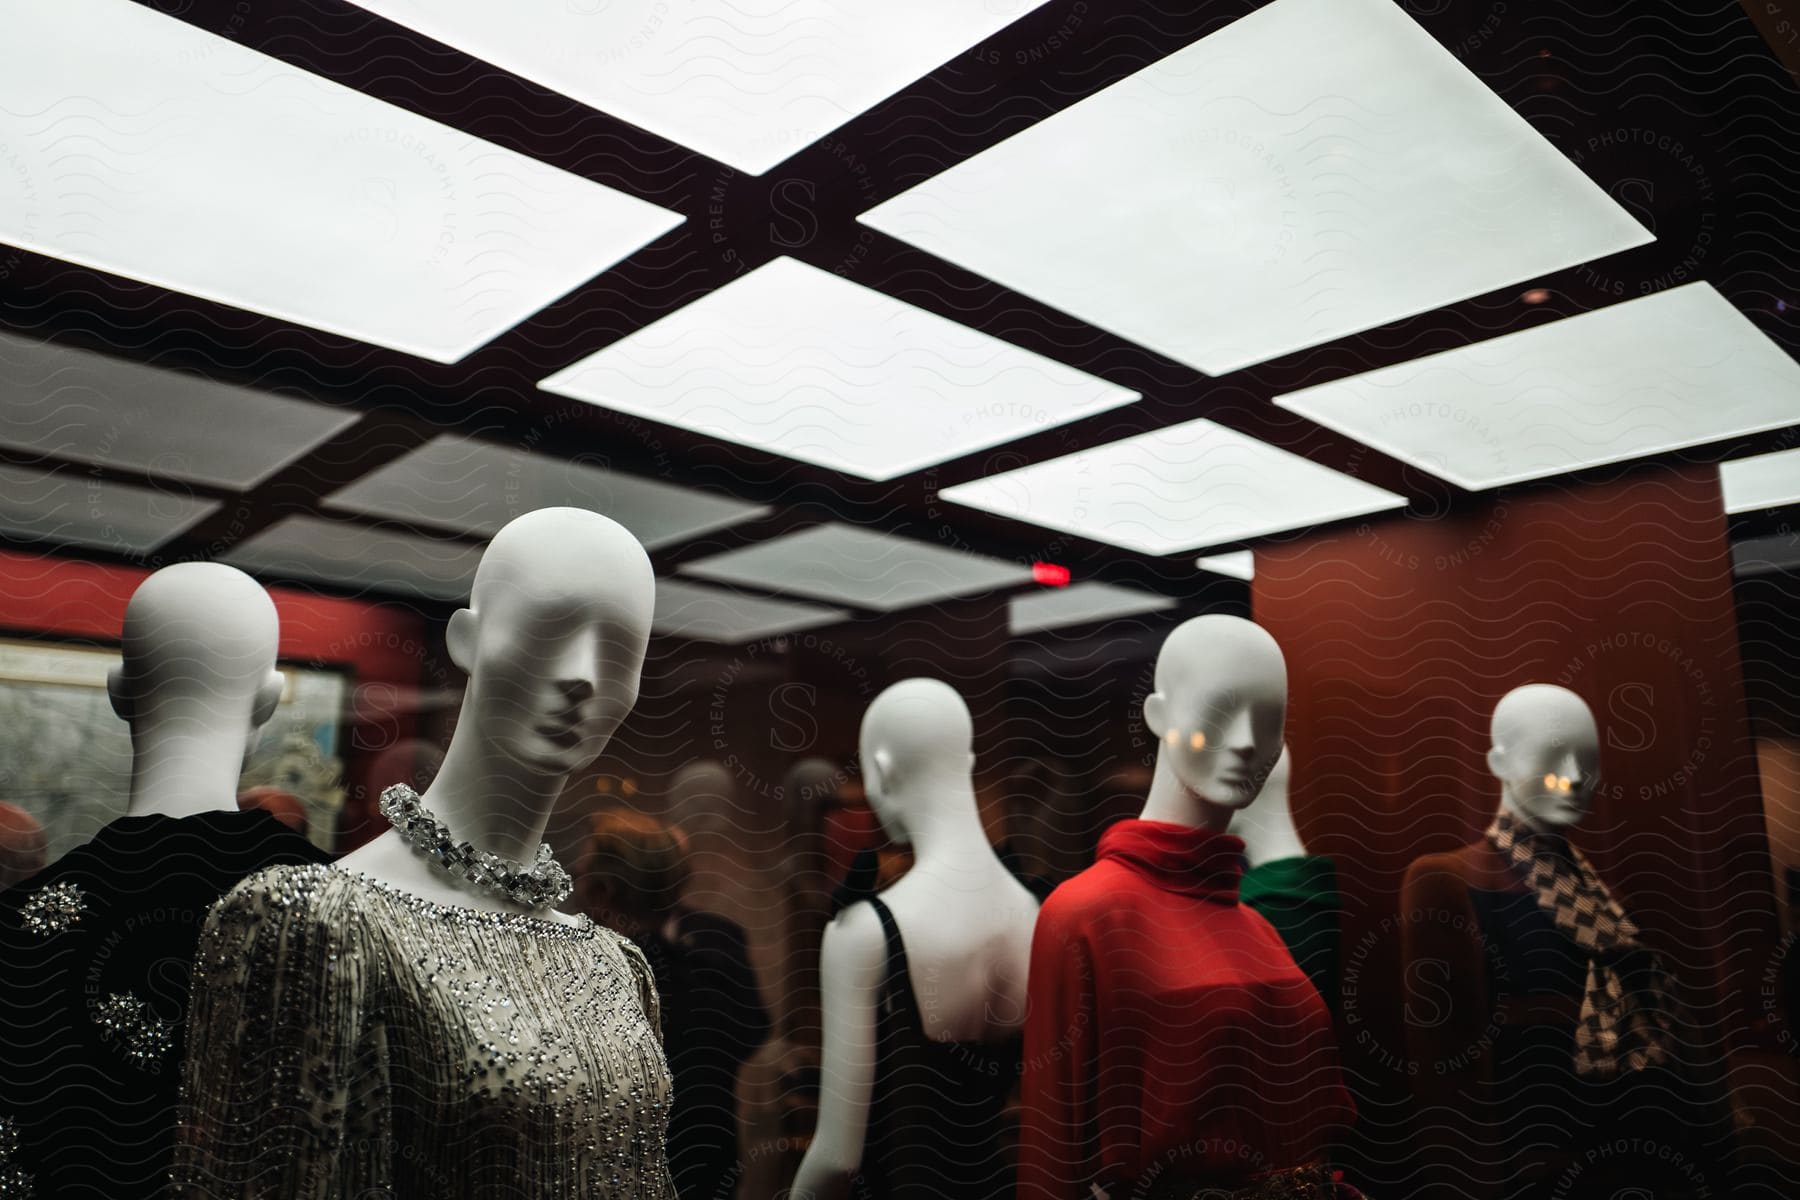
1049, 574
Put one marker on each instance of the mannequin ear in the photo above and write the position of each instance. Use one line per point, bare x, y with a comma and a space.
881, 770
268, 696
115, 691
1496, 761
459, 638
1156, 715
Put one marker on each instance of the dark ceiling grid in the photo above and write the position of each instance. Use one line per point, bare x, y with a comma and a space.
1570, 73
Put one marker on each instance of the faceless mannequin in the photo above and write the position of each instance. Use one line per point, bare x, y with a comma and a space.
1217, 713
553, 641
966, 922
197, 680
1267, 826
1546, 755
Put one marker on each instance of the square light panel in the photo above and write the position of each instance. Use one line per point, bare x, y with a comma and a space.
1238, 564
709, 614
476, 487
140, 145
1762, 481
70, 507
1082, 604
748, 83
360, 558
842, 564
804, 364
1312, 170
112, 412
1191, 485
1678, 368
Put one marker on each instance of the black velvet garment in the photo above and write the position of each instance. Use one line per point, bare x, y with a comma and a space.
937, 1125
95, 952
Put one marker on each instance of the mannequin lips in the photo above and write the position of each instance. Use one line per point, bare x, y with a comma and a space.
566, 736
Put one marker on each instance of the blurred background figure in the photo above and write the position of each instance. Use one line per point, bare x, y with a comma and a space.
24, 850
632, 879
283, 805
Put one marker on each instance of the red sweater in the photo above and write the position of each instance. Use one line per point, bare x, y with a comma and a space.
1170, 1031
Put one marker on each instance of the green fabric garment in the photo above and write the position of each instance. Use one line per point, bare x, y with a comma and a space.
1299, 897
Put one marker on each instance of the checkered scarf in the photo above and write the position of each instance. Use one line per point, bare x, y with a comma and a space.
1629, 1009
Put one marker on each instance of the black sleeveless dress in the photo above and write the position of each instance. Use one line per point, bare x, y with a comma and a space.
937, 1123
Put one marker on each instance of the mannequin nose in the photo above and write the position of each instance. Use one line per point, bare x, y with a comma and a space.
577, 666
1239, 733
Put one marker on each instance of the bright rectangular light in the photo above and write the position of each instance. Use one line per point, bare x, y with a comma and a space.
804, 364
1238, 564
709, 614
112, 412
1766, 555
1191, 485
1677, 368
1761, 481
360, 558
1082, 604
72, 508
748, 83
475, 487
1312, 170
842, 564
140, 145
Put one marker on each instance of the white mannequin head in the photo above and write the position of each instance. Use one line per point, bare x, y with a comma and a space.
917, 741
1267, 826
703, 799
553, 639
1546, 755
196, 679
1218, 709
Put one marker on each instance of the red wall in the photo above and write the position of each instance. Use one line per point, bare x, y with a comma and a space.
379, 644
1402, 634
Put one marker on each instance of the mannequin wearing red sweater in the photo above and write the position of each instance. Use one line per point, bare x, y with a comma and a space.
1172, 1043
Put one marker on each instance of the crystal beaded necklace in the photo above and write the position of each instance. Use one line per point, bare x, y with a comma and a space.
543, 884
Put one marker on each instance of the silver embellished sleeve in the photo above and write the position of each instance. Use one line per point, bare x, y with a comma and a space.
652, 1005
282, 1089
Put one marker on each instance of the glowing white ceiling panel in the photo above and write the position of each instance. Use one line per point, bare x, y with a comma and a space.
1312, 170
1191, 485
476, 487
804, 364
112, 412
842, 564
709, 614
1674, 369
1762, 481
748, 83
140, 145
73, 508
359, 558
1079, 604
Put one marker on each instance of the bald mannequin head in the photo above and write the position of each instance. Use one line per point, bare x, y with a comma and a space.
554, 636
1218, 707
1546, 754
916, 737
198, 650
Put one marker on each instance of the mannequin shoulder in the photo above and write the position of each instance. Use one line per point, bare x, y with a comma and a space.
292, 894
1452, 874
853, 940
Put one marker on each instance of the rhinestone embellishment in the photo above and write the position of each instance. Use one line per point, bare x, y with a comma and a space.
53, 909
127, 1025
543, 884
14, 1182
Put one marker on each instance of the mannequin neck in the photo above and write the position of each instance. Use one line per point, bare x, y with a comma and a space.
943, 824
183, 768
1173, 801
492, 801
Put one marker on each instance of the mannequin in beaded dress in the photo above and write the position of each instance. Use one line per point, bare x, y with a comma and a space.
383, 1026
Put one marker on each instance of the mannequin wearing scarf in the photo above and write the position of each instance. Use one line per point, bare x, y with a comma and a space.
1173, 1048
1535, 1010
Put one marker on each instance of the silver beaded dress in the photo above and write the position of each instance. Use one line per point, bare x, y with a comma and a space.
347, 1039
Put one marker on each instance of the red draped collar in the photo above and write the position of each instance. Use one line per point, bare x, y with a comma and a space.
1179, 858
